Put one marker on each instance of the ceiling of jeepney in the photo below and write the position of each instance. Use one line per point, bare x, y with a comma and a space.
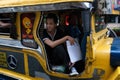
13, 3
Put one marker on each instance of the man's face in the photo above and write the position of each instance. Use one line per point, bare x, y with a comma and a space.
50, 24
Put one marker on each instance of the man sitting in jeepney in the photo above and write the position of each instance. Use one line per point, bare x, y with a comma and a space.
54, 40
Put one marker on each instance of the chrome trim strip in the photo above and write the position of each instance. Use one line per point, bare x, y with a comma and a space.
17, 44
44, 7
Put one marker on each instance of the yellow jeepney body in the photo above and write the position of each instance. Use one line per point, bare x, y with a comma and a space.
29, 55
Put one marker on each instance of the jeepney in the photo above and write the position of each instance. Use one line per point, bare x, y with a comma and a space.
22, 52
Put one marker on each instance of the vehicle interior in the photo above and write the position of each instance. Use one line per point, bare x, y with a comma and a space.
63, 16
8, 30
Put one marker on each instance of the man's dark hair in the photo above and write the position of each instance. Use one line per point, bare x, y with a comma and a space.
52, 16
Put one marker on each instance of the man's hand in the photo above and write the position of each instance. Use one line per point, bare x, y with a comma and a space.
72, 40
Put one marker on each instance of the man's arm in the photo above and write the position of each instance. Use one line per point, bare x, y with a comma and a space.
55, 43
2, 24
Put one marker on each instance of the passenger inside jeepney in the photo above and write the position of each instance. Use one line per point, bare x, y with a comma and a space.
54, 37
54, 40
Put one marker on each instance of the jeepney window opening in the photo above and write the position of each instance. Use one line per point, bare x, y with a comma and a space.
63, 23
7, 25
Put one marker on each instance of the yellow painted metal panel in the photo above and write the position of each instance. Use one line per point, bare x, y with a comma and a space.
13, 3
26, 64
115, 75
101, 50
17, 75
